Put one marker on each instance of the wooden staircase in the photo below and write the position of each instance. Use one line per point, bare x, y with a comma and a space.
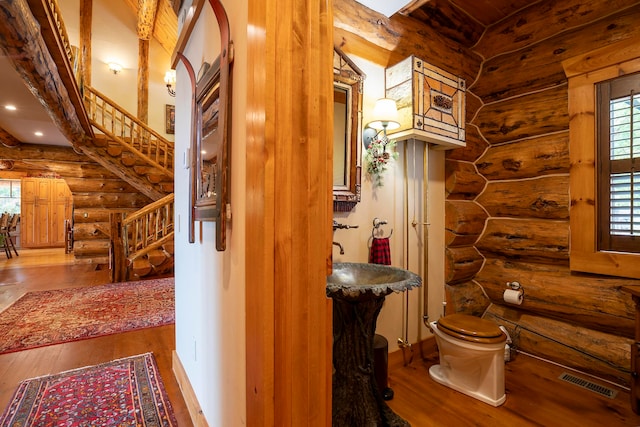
134, 163
129, 148
141, 243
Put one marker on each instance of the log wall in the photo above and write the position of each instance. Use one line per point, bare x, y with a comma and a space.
96, 193
516, 169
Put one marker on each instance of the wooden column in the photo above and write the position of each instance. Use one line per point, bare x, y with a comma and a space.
146, 20
86, 21
143, 81
288, 212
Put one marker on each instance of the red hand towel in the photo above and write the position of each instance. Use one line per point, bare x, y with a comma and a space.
380, 253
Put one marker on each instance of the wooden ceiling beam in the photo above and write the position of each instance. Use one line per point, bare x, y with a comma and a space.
7, 139
24, 46
146, 18
413, 6
164, 26
363, 32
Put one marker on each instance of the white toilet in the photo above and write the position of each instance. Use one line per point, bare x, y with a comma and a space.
471, 357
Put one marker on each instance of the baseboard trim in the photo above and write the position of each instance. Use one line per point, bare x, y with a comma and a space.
195, 412
425, 347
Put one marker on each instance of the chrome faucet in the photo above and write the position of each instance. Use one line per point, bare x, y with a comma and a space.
337, 225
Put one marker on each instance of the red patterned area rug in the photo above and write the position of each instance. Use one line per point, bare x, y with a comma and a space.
52, 317
124, 392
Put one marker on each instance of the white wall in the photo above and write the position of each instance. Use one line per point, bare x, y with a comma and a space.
114, 39
210, 294
390, 203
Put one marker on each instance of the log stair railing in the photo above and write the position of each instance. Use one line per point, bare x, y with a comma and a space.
128, 147
115, 139
142, 242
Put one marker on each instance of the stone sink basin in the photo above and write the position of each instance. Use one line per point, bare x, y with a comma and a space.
359, 281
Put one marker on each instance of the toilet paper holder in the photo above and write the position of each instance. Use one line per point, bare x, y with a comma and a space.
515, 286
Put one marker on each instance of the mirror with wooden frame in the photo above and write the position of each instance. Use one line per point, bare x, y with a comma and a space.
348, 82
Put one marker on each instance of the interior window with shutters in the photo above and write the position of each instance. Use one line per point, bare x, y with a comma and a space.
619, 164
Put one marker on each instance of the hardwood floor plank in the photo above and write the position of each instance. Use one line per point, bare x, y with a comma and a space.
535, 397
50, 269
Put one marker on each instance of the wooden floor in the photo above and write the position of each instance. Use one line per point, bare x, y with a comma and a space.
535, 395
52, 269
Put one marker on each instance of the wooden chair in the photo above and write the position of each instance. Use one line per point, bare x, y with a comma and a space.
4, 234
13, 225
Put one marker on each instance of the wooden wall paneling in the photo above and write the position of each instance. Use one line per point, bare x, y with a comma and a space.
539, 21
462, 181
464, 222
476, 145
363, 32
534, 240
450, 21
538, 66
529, 115
604, 355
465, 297
591, 301
527, 158
546, 197
461, 263
289, 157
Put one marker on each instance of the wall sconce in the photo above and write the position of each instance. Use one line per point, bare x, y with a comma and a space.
170, 81
114, 67
383, 118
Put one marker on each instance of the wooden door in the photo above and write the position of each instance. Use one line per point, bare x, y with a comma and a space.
60, 205
45, 204
28, 212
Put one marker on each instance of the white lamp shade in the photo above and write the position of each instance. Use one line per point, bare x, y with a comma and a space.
170, 77
385, 115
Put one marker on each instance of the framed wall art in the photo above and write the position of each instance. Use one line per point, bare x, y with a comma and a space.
170, 119
211, 174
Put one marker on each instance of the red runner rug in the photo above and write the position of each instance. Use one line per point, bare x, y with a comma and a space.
125, 392
52, 317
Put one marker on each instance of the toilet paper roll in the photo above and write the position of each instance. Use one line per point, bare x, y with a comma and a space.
513, 296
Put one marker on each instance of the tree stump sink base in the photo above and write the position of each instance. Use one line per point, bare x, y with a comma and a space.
356, 398
358, 292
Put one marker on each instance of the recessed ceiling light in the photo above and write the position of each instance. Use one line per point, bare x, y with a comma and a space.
10, 107
38, 133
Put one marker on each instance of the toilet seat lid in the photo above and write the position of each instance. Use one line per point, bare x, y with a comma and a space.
471, 328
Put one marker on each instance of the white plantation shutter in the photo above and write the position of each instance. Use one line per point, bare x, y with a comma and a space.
619, 165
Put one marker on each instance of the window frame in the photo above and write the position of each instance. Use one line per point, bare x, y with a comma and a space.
584, 72
12, 185
606, 92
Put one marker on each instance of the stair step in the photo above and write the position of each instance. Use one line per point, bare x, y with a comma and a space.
166, 186
156, 257
101, 141
128, 161
141, 267
114, 150
155, 178
169, 247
